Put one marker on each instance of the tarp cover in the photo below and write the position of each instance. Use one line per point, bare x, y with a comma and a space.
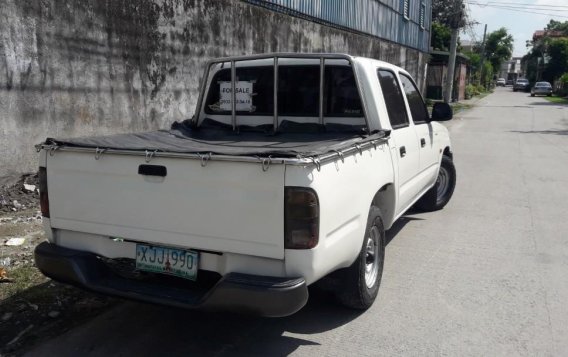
291, 140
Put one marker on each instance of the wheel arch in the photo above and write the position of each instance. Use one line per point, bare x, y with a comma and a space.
448, 152
385, 201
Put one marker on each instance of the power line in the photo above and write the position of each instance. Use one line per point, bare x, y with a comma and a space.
520, 7
503, 7
527, 12
548, 6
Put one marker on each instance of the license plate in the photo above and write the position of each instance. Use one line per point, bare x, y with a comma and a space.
171, 261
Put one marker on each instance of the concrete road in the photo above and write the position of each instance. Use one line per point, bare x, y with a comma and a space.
487, 276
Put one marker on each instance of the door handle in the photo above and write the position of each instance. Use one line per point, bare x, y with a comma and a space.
422, 142
402, 151
152, 170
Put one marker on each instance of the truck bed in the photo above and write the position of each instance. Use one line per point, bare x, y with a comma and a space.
292, 140
195, 204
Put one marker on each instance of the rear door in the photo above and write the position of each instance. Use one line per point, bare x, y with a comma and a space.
406, 149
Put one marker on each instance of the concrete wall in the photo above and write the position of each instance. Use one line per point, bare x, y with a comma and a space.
92, 67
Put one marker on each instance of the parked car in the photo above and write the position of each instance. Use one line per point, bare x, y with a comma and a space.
521, 84
290, 171
509, 82
501, 82
541, 88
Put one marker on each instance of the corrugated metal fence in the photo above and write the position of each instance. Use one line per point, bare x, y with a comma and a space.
380, 18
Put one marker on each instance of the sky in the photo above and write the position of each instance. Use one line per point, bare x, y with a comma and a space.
519, 23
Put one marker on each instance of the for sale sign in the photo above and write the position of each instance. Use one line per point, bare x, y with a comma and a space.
243, 96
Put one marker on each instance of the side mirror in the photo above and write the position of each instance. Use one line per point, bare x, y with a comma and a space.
442, 112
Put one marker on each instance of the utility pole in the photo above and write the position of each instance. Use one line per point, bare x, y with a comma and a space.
451, 66
481, 62
456, 22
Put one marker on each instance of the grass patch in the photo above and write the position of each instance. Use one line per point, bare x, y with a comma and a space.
557, 100
27, 302
22, 279
482, 95
458, 107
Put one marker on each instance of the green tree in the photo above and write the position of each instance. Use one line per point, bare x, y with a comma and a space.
449, 12
558, 26
547, 58
441, 35
564, 85
498, 48
530, 62
558, 59
487, 74
474, 64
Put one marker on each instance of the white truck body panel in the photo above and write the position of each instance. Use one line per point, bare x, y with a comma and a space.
341, 230
192, 207
416, 172
221, 263
344, 207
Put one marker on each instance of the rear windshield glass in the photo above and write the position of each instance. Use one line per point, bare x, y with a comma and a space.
543, 84
298, 92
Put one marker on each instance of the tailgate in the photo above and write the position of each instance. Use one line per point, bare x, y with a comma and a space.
225, 206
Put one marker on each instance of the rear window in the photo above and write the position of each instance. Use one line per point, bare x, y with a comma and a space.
543, 84
393, 99
298, 92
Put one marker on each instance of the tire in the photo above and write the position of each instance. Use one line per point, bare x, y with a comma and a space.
358, 285
440, 194
532, 95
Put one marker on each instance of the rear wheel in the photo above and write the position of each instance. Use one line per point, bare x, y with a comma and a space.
358, 285
441, 193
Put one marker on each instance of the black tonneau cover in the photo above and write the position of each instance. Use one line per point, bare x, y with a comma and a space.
292, 140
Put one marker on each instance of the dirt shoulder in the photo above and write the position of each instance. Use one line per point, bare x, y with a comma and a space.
33, 308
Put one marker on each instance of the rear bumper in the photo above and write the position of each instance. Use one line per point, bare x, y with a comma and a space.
258, 295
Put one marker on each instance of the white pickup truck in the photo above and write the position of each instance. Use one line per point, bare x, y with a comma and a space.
290, 171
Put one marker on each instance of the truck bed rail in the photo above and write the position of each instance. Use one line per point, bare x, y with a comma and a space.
275, 57
372, 142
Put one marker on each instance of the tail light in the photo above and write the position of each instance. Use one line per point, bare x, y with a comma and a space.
43, 195
301, 218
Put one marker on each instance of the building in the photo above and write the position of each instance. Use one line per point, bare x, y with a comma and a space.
438, 68
467, 46
539, 34
536, 63
437, 74
401, 28
511, 69
91, 67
